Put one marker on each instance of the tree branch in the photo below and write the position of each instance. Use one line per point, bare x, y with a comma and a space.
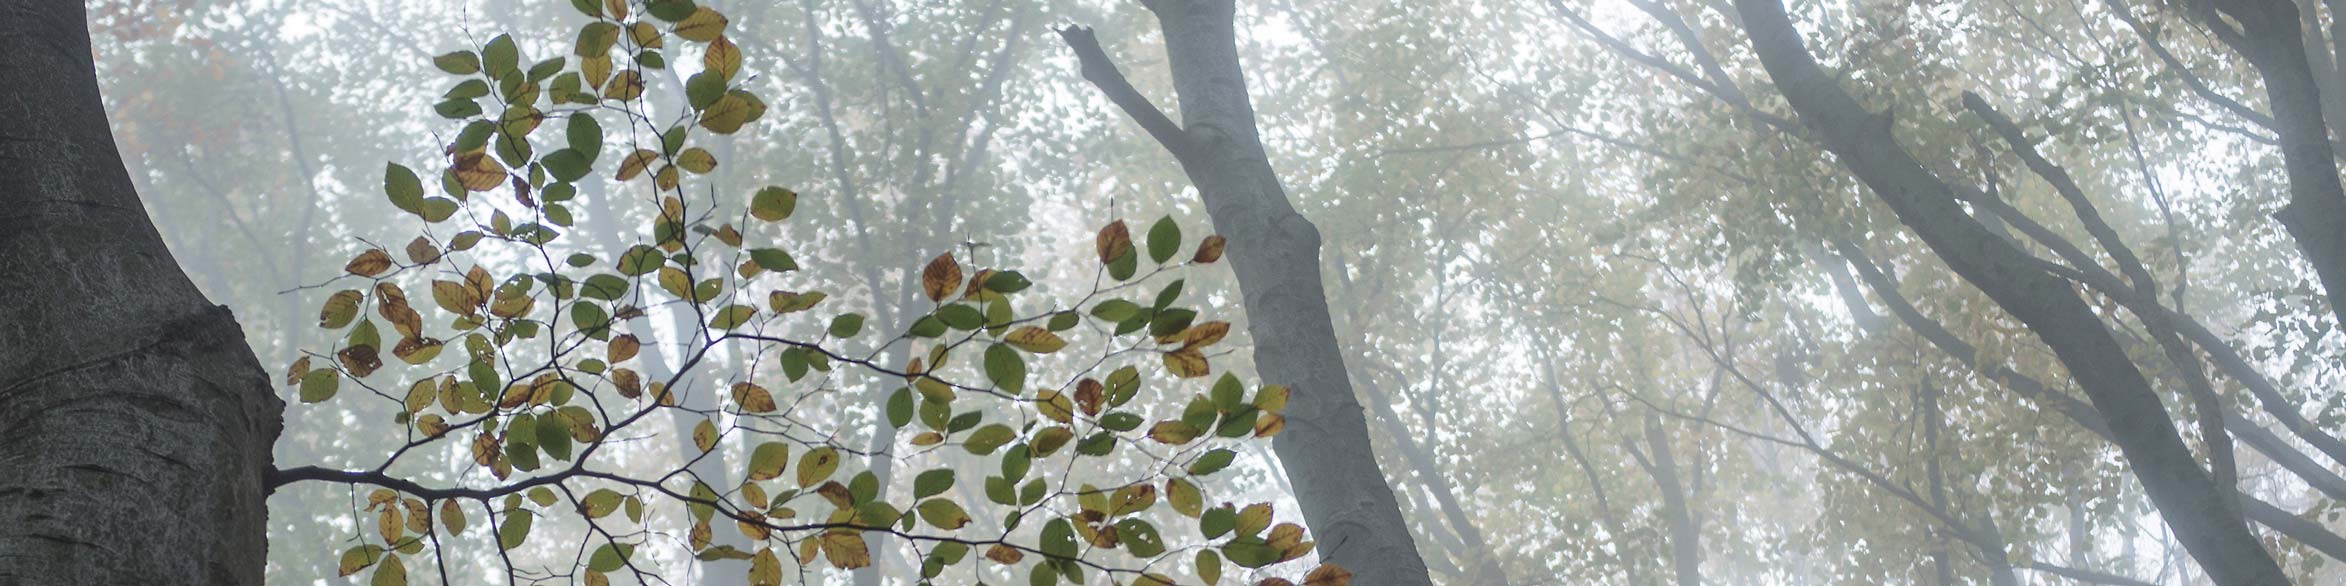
1102, 73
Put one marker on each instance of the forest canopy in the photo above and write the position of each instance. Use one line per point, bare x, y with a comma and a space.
1472, 292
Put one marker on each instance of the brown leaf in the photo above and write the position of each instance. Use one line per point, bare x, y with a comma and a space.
361, 360
300, 368
370, 263
941, 276
1209, 251
422, 252
622, 348
1187, 363
1004, 554
1205, 334
476, 171
1328, 575
1114, 242
1088, 395
753, 398
846, 550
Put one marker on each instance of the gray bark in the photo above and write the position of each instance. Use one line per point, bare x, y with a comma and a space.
2271, 38
2206, 516
138, 422
1275, 253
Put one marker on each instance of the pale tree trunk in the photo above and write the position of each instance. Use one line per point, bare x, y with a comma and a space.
2206, 514
138, 424
1275, 253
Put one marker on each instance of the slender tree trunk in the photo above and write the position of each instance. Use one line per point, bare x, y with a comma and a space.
1275, 253
138, 424
2205, 515
1685, 537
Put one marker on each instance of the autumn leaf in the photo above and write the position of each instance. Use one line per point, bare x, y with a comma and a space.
753, 398
1187, 363
1036, 340
722, 57
1209, 251
1113, 242
941, 276
371, 263
477, 171
703, 26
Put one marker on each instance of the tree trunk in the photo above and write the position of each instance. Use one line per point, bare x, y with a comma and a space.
1685, 537
2205, 515
2273, 43
138, 423
1275, 253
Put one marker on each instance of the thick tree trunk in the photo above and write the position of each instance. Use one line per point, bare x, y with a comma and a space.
1685, 537
2205, 515
1276, 255
138, 424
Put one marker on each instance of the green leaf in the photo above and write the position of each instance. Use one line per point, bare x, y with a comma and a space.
900, 407
515, 530
847, 325
601, 503
733, 316
1211, 462
703, 89
773, 259
640, 260
943, 514
500, 57
610, 557
1005, 368
1116, 310
1008, 282
989, 438
961, 317
932, 483
1140, 537
554, 437
773, 204
604, 287
407, 192
1217, 522
1059, 539
458, 63
320, 384
585, 135
1164, 239
768, 461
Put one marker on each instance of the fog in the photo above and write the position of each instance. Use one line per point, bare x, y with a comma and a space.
1619, 301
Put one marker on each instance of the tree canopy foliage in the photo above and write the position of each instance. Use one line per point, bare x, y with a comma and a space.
1630, 291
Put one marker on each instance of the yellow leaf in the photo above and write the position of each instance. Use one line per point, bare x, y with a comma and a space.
753, 398
722, 57
1269, 424
704, 436
730, 112
1187, 363
627, 85
359, 557
594, 70
941, 276
765, 569
703, 26
1055, 406
367, 264
390, 573
1173, 432
697, 160
477, 171
846, 550
453, 514
1036, 340
817, 466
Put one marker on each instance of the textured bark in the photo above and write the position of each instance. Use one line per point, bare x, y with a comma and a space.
1275, 253
138, 422
2205, 516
